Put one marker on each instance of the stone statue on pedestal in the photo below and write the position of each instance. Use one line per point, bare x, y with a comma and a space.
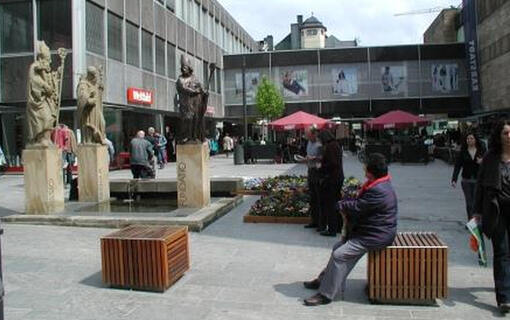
90, 107
44, 89
193, 100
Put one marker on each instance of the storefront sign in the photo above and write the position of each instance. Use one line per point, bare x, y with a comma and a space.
470, 34
140, 96
210, 110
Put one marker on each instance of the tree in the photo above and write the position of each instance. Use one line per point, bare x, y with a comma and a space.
269, 100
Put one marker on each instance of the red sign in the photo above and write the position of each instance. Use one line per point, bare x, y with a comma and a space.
210, 110
140, 96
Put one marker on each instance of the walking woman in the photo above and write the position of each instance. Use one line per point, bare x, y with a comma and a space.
469, 159
331, 174
492, 202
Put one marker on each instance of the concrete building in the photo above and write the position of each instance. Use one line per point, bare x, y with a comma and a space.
310, 34
492, 31
138, 43
354, 82
444, 28
494, 45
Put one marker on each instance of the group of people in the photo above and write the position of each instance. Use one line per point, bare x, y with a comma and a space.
146, 150
486, 187
371, 218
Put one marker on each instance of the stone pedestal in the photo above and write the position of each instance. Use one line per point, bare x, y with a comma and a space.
93, 182
44, 185
193, 183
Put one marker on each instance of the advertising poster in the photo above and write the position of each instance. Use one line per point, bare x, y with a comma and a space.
252, 82
445, 77
295, 83
345, 81
393, 79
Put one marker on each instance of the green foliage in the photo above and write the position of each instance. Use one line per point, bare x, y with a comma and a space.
269, 100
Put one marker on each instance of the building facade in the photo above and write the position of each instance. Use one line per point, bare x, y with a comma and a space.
138, 43
491, 30
355, 82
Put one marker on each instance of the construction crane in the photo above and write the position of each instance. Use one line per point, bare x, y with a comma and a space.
423, 11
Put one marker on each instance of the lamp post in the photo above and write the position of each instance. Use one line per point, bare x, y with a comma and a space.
245, 116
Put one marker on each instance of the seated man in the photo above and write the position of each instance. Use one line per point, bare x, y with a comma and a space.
375, 227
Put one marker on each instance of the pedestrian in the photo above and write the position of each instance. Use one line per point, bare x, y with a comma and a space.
375, 213
170, 144
469, 159
142, 153
111, 150
331, 175
160, 148
492, 207
313, 160
228, 144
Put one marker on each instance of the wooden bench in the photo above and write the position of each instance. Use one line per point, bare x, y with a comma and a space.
413, 270
145, 257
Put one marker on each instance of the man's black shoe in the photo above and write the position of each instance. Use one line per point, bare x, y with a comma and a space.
504, 307
311, 225
328, 233
321, 229
314, 284
317, 300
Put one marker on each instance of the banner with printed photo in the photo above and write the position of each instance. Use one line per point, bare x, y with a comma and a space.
294, 83
445, 77
394, 79
345, 81
252, 82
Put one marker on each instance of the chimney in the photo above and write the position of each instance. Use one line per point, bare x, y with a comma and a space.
300, 20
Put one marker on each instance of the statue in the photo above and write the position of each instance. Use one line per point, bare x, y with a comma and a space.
89, 96
44, 89
192, 103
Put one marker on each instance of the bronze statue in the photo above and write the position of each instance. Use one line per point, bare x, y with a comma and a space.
90, 106
44, 89
192, 103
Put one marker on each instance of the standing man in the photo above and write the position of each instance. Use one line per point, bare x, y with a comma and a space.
141, 153
313, 160
228, 144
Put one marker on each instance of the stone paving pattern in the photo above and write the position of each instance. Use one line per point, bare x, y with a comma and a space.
239, 271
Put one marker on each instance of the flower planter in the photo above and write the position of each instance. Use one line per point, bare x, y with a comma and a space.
271, 219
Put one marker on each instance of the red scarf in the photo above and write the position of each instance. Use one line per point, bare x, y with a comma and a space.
370, 184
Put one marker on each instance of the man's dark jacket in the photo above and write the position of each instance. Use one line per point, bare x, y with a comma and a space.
374, 214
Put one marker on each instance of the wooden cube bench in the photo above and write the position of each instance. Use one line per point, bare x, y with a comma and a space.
145, 257
413, 270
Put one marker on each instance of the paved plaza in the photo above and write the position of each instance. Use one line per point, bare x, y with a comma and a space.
238, 270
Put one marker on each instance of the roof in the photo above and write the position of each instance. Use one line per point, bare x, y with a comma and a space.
284, 44
312, 22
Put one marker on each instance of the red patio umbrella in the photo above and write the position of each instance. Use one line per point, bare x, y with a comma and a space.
397, 119
299, 120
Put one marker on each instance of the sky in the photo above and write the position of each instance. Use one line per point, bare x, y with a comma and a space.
370, 21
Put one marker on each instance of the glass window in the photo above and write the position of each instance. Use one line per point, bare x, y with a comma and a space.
218, 80
16, 28
197, 17
311, 32
161, 1
132, 45
160, 56
13, 73
94, 28
170, 4
114, 37
147, 61
205, 23
54, 20
170, 53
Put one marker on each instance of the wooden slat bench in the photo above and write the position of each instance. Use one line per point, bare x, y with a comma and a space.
413, 270
145, 257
